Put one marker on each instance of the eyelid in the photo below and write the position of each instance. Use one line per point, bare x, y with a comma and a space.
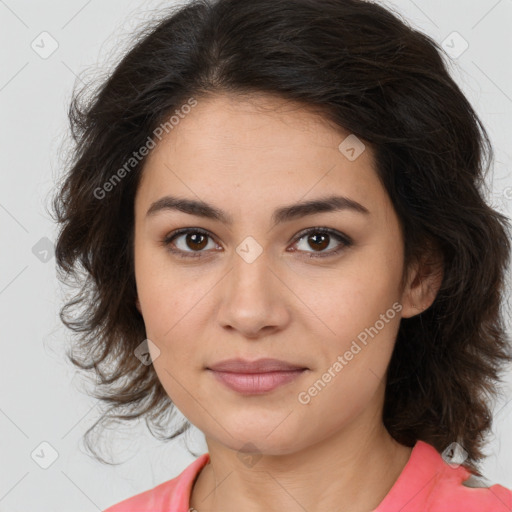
322, 229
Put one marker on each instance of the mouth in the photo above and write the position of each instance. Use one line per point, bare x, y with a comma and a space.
255, 377
264, 365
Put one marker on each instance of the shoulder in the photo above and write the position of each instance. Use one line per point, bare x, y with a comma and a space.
455, 488
430, 483
471, 495
173, 495
147, 500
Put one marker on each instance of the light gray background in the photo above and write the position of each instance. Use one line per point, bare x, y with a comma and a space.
41, 394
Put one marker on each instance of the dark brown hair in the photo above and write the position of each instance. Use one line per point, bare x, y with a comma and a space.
369, 73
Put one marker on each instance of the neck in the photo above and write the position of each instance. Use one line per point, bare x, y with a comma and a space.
351, 471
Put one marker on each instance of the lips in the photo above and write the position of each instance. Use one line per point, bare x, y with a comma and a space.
265, 365
255, 377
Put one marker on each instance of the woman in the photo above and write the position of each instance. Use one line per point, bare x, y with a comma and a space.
277, 206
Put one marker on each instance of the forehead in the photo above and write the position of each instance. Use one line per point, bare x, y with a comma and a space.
257, 147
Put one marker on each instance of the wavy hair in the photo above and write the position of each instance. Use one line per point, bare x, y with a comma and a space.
370, 73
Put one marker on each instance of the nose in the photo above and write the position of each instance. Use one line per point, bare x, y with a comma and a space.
254, 299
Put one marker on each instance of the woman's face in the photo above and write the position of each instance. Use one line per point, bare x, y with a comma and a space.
255, 286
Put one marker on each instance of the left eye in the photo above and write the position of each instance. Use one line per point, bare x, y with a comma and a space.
320, 239
197, 240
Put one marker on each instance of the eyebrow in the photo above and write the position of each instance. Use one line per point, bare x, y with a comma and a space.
280, 215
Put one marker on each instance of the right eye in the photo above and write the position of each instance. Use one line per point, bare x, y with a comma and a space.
194, 239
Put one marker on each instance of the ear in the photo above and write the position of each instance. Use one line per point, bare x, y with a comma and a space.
424, 280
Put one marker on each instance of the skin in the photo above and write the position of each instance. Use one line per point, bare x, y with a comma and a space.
249, 156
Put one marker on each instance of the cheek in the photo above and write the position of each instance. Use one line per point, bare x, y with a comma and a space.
173, 307
164, 296
354, 360
359, 311
353, 298
173, 312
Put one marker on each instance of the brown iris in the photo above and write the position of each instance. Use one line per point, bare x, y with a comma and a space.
323, 244
192, 241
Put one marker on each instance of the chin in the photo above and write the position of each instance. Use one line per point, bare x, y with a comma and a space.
260, 440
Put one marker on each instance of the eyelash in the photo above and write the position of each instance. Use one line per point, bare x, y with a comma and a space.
345, 241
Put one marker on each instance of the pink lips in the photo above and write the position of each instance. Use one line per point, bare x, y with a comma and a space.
255, 377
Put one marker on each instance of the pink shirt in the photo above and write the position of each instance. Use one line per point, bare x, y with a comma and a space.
427, 484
